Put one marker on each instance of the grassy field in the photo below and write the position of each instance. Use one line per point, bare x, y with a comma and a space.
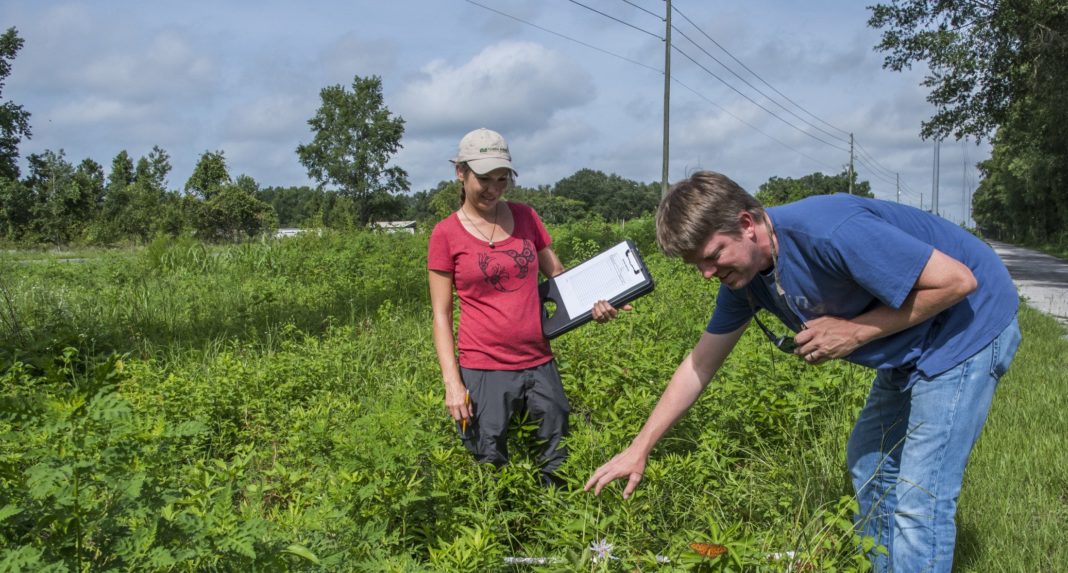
1014, 505
276, 406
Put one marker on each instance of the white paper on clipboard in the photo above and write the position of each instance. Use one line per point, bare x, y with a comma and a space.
600, 278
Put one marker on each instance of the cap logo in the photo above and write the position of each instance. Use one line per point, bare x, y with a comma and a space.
484, 150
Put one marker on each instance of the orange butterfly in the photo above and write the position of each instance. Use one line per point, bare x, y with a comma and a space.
709, 550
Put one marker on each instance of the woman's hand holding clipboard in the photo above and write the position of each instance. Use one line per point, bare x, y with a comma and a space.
615, 276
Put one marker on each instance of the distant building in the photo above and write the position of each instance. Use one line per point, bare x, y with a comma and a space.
395, 226
288, 232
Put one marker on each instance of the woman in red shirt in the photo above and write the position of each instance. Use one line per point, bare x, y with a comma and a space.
490, 251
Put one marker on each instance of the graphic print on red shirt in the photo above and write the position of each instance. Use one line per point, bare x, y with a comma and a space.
499, 265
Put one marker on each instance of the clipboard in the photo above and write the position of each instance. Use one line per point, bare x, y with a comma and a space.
617, 274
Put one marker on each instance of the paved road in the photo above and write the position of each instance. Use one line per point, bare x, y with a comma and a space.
1042, 279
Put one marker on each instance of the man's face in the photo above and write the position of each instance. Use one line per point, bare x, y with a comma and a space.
733, 259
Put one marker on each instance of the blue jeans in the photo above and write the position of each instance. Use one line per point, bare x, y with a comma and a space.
908, 450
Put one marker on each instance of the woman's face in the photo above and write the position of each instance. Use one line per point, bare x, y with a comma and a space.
483, 191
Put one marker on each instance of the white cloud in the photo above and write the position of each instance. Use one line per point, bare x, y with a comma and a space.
351, 55
168, 67
97, 110
269, 164
269, 117
548, 154
509, 86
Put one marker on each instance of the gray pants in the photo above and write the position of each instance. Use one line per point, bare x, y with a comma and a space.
498, 394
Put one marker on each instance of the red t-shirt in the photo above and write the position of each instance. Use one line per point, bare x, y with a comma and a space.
500, 313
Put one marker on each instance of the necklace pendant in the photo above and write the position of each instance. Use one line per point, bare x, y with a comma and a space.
491, 244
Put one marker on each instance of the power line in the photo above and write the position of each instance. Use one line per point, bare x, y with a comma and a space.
649, 12
739, 92
888, 177
610, 17
695, 92
724, 82
872, 159
751, 126
756, 89
865, 157
868, 161
756, 75
569, 38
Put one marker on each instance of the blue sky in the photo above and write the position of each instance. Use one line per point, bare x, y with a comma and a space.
574, 90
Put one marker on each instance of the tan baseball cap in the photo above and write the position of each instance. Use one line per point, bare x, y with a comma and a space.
484, 150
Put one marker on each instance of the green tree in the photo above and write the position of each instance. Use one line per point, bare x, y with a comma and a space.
209, 175
1021, 197
16, 209
552, 208
154, 168
58, 204
122, 171
294, 206
152, 208
14, 121
991, 204
443, 199
234, 213
996, 67
610, 196
109, 225
137, 204
982, 55
229, 209
355, 137
89, 177
782, 190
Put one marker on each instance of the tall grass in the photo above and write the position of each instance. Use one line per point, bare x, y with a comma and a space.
180, 293
1014, 504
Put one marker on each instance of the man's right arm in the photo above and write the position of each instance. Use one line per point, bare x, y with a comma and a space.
689, 380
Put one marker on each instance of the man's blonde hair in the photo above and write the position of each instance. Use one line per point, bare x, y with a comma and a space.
695, 208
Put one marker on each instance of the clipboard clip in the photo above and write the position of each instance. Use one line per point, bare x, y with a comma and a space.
631, 262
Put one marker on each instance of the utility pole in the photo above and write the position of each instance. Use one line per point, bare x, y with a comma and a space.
935, 176
964, 182
667, 97
850, 163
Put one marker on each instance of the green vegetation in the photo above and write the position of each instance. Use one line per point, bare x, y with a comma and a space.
355, 137
998, 70
782, 190
14, 121
1014, 504
276, 406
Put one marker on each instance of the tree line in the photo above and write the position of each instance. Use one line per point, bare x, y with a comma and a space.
585, 193
998, 69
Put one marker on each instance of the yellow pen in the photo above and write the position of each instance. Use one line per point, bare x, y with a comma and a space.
463, 423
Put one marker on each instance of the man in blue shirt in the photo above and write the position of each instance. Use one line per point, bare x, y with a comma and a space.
929, 306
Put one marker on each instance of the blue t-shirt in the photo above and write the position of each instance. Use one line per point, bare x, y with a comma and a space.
842, 255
